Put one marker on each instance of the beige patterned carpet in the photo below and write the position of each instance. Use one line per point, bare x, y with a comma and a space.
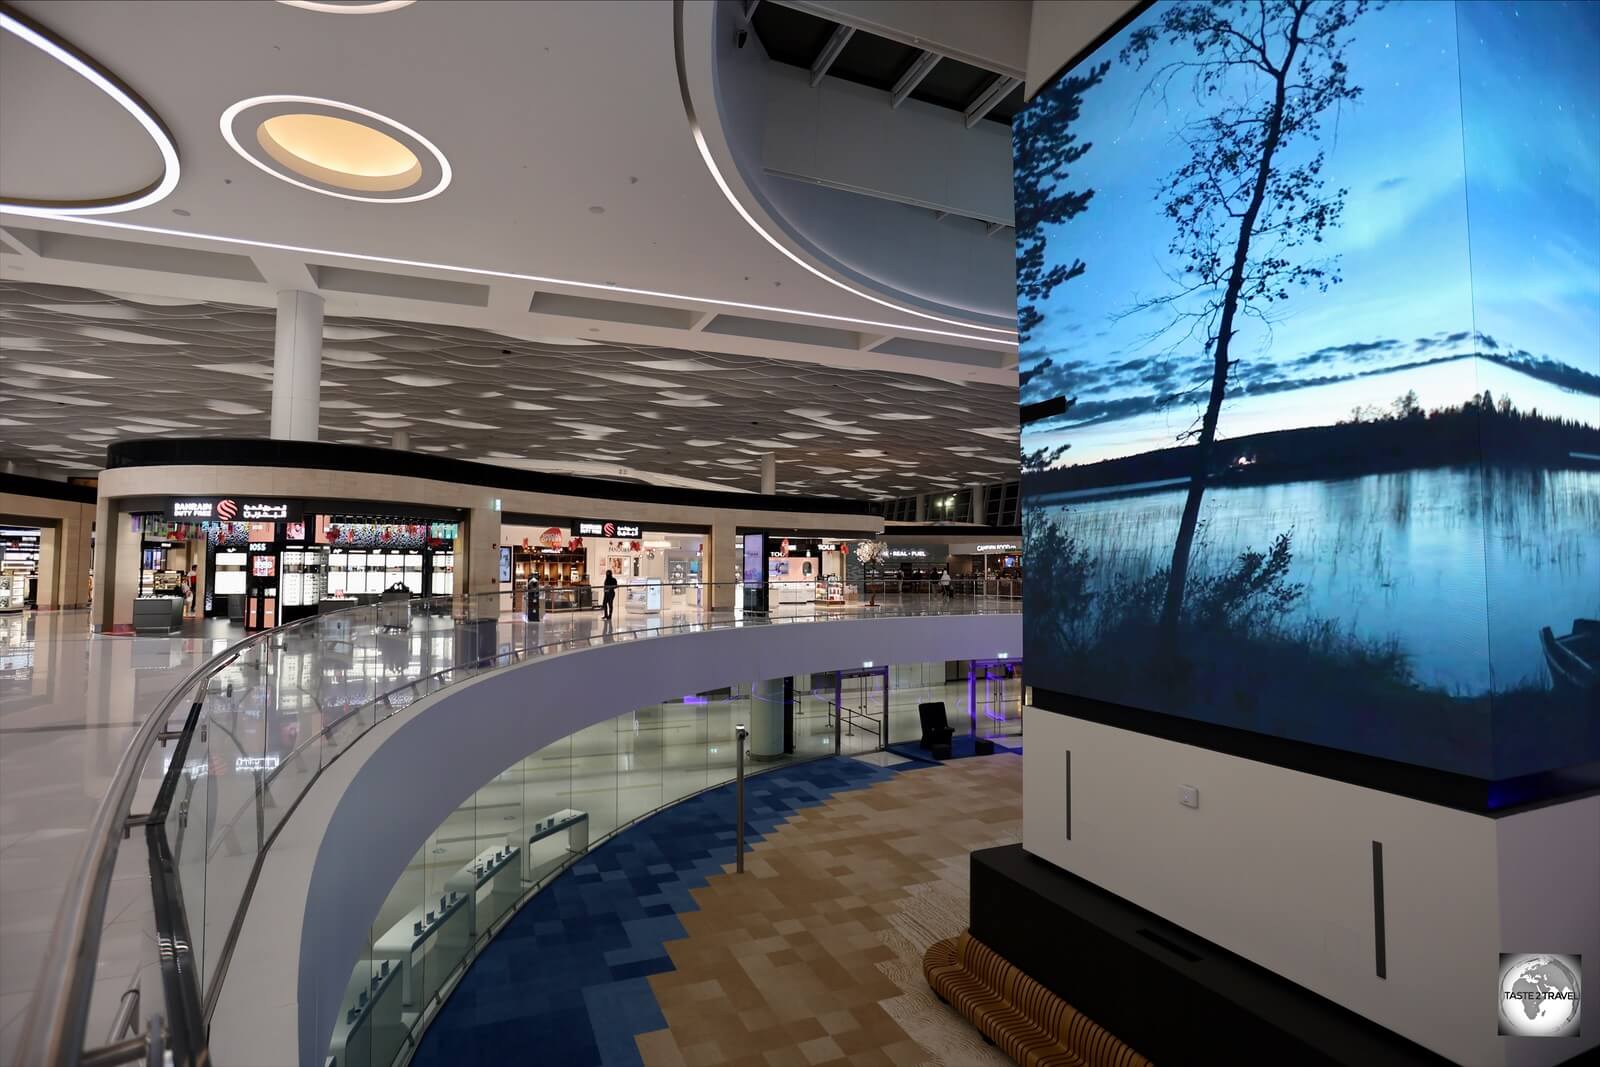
813, 956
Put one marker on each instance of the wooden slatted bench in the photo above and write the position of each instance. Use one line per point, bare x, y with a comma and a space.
1025, 1020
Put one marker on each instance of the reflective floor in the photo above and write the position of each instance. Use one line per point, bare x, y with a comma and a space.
70, 702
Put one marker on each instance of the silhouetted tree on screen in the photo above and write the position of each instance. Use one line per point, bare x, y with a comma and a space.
1046, 147
1264, 74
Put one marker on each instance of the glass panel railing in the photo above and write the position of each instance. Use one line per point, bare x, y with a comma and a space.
280, 706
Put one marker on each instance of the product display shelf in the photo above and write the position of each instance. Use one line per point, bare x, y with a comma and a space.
576, 825
492, 881
431, 944
371, 1029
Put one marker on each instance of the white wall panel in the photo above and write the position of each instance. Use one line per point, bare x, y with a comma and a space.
1276, 865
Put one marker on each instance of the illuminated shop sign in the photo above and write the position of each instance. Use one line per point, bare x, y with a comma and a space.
606, 528
1001, 546
920, 553
232, 509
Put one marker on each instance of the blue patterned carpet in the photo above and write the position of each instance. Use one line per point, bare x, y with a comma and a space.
564, 983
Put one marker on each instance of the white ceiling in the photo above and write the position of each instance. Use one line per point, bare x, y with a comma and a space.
79, 369
575, 170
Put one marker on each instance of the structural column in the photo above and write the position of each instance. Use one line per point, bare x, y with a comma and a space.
769, 474
481, 555
297, 367
49, 565
724, 565
766, 719
400, 441
977, 504
105, 565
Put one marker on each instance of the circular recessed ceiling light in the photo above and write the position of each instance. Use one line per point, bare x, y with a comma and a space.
353, 7
339, 152
82, 65
336, 149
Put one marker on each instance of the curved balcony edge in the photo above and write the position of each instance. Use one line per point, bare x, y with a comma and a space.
358, 825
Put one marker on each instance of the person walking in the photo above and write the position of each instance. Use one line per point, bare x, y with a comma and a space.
610, 599
944, 585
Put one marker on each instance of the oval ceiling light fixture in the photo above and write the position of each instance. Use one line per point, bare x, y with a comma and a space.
56, 48
339, 152
336, 149
354, 7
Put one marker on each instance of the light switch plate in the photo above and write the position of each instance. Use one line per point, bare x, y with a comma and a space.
1188, 796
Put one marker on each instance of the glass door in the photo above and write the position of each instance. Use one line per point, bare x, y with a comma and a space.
994, 697
861, 704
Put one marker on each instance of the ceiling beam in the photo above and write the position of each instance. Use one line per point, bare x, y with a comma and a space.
912, 78
992, 35
987, 100
830, 52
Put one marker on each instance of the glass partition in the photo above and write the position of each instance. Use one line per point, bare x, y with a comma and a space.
508, 840
276, 709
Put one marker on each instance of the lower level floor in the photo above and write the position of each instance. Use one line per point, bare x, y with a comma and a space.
653, 950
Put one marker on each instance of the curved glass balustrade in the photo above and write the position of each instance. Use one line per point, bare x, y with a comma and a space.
544, 812
254, 727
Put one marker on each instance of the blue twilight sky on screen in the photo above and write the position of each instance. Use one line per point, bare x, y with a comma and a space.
1482, 107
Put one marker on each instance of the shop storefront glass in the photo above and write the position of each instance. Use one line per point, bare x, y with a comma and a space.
655, 570
267, 562
19, 567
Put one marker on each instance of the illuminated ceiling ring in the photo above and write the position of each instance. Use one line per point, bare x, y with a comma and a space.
81, 64
330, 7
243, 127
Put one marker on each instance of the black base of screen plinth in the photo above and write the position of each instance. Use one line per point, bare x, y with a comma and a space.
1174, 997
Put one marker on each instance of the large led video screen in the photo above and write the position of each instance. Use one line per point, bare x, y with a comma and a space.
1319, 284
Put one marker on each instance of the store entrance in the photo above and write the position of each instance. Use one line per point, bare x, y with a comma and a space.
19, 567
861, 706
994, 697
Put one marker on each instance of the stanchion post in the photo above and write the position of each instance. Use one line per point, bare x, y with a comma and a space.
740, 733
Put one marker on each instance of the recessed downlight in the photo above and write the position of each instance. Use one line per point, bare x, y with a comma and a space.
336, 149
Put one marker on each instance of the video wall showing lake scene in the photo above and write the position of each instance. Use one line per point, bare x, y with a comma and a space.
1313, 290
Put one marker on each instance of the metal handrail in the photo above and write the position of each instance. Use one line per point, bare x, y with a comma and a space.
59, 1013
58, 1016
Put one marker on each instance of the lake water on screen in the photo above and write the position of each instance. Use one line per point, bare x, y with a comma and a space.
1463, 565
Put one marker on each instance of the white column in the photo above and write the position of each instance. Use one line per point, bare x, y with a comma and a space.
297, 367
977, 504
401, 441
769, 474
766, 719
